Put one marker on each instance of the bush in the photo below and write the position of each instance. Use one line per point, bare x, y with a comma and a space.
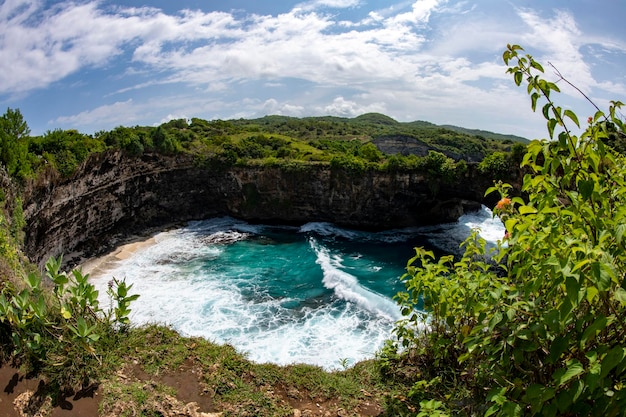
61, 332
370, 152
541, 331
349, 163
496, 165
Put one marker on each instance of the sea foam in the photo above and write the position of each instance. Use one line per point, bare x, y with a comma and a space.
318, 294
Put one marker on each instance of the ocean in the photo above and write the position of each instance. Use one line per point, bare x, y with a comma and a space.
316, 294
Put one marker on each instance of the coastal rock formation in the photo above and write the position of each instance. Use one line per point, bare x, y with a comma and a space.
114, 195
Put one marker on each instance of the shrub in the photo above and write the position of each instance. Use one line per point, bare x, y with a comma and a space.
370, 152
349, 163
496, 165
540, 332
60, 332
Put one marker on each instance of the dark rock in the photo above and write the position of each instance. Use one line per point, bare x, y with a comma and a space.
113, 196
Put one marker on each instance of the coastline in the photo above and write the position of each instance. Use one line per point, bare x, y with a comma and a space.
97, 267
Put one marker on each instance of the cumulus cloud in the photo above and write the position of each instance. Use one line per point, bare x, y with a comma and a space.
40, 46
348, 108
196, 46
421, 12
394, 60
273, 106
121, 112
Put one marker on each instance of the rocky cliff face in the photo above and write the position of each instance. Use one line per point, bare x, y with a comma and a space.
113, 196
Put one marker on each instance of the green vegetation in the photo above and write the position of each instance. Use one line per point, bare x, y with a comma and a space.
535, 328
487, 134
539, 329
234, 385
60, 332
52, 324
271, 140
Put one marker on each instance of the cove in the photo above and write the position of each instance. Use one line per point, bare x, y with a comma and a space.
317, 293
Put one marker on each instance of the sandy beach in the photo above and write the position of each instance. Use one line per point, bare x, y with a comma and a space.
99, 266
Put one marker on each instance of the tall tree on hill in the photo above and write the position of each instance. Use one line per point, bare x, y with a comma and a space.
13, 147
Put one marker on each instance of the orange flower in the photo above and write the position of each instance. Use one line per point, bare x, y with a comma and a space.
504, 203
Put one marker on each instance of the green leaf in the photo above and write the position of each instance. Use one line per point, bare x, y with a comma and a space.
619, 232
490, 190
546, 111
620, 296
509, 224
527, 210
33, 280
580, 264
65, 313
559, 345
495, 320
534, 97
593, 329
585, 187
553, 87
570, 114
573, 370
572, 288
518, 77
536, 65
599, 114
601, 276
512, 409
612, 359
592, 292
551, 125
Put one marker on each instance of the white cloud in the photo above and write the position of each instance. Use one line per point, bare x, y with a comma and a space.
348, 108
421, 59
273, 106
560, 41
121, 112
419, 14
337, 4
39, 47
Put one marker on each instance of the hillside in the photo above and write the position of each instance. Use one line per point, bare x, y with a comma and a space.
487, 134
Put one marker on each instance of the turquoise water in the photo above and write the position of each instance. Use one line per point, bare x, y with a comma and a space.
316, 294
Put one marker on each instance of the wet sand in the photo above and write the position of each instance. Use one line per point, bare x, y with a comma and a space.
99, 266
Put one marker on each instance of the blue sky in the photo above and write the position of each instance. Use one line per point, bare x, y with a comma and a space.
95, 65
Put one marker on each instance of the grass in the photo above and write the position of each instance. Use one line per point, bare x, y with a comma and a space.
134, 371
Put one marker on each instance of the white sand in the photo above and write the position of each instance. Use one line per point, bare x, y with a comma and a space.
99, 266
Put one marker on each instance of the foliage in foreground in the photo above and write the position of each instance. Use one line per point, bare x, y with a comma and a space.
63, 332
540, 330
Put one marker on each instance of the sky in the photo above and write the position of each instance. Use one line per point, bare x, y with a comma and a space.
95, 65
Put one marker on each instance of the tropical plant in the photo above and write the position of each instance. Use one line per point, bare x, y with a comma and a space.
540, 328
59, 331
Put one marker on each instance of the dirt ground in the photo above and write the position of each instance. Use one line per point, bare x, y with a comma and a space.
21, 396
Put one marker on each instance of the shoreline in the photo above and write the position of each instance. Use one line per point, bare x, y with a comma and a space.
98, 266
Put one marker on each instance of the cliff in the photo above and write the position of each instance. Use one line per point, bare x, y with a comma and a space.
113, 196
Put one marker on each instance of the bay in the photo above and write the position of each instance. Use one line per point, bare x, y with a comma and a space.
316, 294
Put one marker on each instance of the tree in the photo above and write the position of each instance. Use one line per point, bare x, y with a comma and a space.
370, 152
496, 165
14, 125
13, 148
541, 330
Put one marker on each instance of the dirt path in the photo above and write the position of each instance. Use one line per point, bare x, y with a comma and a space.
21, 397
